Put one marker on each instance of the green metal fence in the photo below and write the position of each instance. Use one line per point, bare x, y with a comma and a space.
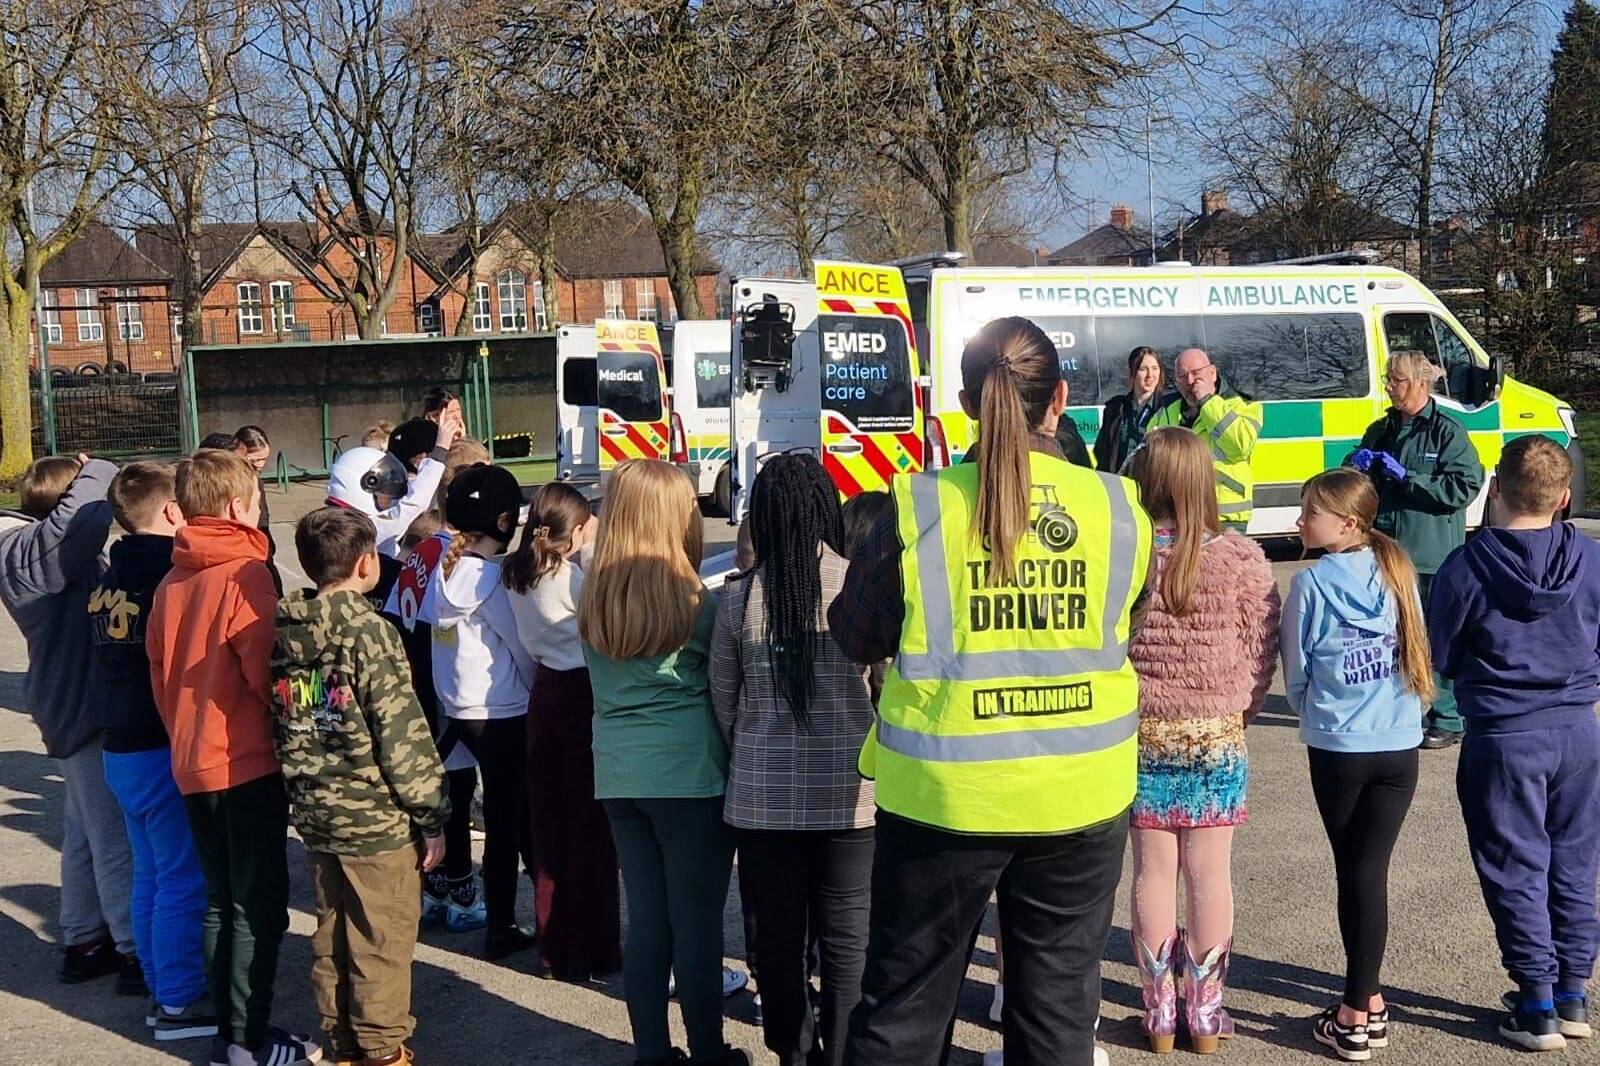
315, 399
119, 416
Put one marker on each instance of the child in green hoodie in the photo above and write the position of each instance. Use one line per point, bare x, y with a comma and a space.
366, 788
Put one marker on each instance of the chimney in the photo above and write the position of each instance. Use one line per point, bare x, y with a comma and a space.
1122, 216
1213, 200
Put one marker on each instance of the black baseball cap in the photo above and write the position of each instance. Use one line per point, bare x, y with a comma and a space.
479, 497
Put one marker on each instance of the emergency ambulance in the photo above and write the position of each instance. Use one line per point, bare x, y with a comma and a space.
700, 397
1309, 339
828, 365
611, 398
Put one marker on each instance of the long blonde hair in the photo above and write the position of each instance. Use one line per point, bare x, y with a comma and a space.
1176, 484
1009, 372
1349, 494
642, 594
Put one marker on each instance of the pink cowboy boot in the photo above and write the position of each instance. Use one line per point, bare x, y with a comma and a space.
1159, 986
1203, 981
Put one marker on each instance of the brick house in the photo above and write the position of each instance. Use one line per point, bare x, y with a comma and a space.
1120, 242
105, 305
1221, 236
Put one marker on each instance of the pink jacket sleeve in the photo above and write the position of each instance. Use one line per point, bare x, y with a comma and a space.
1261, 606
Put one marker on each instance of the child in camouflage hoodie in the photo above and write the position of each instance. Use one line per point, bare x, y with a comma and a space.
366, 788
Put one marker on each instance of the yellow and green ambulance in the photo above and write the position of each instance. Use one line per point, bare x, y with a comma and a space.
1308, 340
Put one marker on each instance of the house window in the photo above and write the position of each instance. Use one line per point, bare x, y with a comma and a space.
282, 306
1560, 226
249, 307
1508, 230
130, 316
89, 327
513, 286
428, 317
1506, 281
481, 322
646, 292
50, 318
613, 292
541, 318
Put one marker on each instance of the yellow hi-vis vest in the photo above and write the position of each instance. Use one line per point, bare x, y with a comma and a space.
1229, 425
1013, 709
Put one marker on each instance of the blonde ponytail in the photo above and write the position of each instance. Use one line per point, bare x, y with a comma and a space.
1416, 661
452, 554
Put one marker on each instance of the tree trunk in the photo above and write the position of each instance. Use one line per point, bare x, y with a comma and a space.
549, 283
677, 246
16, 412
190, 296
958, 216
470, 287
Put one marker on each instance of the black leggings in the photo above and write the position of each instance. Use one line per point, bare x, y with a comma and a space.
1363, 798
501, 748
463, 785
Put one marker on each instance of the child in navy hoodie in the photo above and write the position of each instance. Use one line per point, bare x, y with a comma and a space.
1514, 618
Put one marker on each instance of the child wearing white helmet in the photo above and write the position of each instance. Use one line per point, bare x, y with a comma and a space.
376, 483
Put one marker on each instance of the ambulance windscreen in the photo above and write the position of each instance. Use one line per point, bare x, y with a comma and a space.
866, 372
629, 385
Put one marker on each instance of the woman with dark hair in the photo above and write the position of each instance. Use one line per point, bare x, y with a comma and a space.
1004, 753
795, 713
252, 444
1123, 422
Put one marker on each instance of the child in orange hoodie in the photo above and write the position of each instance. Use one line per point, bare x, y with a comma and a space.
210, 638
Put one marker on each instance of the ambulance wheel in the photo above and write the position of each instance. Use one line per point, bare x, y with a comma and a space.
722, 491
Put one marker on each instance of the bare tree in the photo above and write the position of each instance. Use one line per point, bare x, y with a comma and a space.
359, 88
179, 94
58, 129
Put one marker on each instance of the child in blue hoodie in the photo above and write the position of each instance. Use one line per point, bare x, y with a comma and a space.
1515, 615
1355, 663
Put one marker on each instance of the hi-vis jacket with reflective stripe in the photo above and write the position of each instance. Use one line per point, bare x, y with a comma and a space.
1229, 425
1013, 709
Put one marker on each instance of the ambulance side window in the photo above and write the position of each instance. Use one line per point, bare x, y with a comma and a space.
578, 381
1456, 358
1117, 336
1075, 347
1290, 357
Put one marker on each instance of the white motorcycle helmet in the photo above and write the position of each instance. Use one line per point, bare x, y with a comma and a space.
361, 474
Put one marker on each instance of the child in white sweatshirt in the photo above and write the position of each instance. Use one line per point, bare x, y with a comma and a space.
483, 676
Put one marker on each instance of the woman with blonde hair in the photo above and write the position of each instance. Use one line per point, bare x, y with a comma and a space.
1357, 672
1205, 655
660, 763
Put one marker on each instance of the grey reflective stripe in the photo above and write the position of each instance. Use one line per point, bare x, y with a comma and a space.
1228, 483
941, 663
1223, 423
1021, 744
1235, 508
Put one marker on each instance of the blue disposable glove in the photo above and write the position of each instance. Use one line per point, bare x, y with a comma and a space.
1390, 465
1362, 459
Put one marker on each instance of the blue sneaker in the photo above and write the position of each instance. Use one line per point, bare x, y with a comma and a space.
435, 899
466, 910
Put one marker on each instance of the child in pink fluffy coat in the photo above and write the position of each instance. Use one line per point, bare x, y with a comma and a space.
1205, 656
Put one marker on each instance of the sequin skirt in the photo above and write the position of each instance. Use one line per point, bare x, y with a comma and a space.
1193, 773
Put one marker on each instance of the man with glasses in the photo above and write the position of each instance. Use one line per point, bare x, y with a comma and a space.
1227, 422
1426, 472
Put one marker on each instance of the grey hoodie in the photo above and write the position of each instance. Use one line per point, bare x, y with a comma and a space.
48, 569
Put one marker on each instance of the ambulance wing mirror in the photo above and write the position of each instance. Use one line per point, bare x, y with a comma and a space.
766, 345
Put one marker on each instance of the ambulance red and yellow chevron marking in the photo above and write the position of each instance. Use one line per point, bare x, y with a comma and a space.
622, 440
637, 440
881, 457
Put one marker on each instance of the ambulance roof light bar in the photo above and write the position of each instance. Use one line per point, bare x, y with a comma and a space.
935, 260
1347, 257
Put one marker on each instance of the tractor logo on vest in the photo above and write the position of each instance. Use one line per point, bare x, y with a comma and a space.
1051, 526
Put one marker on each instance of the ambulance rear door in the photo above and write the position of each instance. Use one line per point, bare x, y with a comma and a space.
577, 416
630, 388
776, 381
871, 410
701, 381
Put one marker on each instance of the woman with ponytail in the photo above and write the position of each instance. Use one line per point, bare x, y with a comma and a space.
1357, 671
1205, 655
482, 675
1005, 589
795, 712
576, 899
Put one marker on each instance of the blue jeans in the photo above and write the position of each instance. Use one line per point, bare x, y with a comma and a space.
169, 891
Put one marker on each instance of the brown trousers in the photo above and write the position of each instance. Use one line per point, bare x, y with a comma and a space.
368, 907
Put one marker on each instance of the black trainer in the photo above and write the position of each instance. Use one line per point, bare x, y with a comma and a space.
130, 977
1434, 738
1572, 1015
191, 1023
1349, 1042
507, 941
1378, 1028
1533, 1030
85, 962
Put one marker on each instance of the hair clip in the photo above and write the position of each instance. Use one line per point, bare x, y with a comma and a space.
541, 532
